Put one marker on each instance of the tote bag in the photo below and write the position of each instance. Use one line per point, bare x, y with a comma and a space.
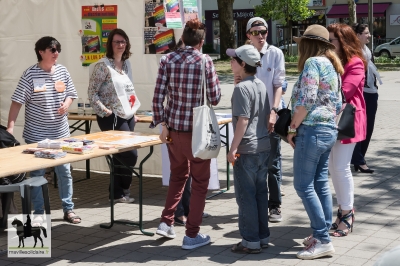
206, 140
345, 118
283, 123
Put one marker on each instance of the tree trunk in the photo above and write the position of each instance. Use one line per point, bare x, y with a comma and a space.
226, 26
352, 12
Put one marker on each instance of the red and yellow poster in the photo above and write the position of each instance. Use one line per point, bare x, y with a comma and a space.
97, 22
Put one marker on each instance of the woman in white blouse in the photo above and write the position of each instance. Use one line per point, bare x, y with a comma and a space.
112, 95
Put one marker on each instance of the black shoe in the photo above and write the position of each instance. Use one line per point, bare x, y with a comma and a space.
362, 170
179, 222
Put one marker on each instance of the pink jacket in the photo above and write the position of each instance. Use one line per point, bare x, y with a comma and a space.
353, 84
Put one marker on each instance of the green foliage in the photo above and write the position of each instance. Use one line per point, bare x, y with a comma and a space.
386, 60
284, 10
291, 58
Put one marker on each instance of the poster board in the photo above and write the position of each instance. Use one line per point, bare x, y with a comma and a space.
97, 22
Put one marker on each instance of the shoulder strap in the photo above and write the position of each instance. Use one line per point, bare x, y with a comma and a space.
203, 85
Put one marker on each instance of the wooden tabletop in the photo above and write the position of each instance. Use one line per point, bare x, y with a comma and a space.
142, 118
13, 161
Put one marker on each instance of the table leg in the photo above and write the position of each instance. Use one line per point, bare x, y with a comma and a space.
87, 131
227, 164
140, 175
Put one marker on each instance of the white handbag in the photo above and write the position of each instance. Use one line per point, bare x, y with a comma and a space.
206, 140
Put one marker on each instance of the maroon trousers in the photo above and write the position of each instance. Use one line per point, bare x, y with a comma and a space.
180, 153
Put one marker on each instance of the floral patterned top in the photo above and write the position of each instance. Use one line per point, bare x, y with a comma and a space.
101, 91
317, 89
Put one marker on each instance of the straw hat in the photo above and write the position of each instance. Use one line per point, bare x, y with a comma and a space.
316, 32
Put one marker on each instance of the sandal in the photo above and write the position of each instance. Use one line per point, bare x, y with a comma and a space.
345, 219
71, 219
239, 248
334, 226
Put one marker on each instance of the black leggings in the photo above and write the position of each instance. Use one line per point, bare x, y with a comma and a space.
121, 181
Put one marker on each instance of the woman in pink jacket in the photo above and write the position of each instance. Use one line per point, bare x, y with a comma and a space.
349, 51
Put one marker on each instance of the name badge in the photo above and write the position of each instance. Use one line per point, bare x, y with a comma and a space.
59, 85
39, 85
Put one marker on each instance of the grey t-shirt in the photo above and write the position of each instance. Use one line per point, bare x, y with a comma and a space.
250, 100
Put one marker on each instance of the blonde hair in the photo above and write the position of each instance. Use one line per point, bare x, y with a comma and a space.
310, 48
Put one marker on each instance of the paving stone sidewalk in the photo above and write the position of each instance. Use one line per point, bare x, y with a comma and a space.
376, 229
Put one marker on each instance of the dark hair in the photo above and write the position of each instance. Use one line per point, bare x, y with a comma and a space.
247, 68
178, 45
46, 42
350, 45
109, 48
194, 32
359, 28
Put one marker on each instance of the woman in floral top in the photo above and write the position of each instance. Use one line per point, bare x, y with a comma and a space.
114, 101
316, 101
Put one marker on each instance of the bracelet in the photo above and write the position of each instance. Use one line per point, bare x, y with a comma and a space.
291, 130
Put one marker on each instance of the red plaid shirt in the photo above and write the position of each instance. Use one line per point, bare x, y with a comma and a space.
179, 79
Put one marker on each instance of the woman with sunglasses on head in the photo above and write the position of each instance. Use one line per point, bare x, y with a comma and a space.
370, 97
179, 82
348, 48
47, 90
112, 95
316, 101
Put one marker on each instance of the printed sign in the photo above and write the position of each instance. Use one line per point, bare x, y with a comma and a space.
97, 22
395, 20
29, 236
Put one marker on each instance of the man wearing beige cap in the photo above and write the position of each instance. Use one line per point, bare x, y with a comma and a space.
272, 74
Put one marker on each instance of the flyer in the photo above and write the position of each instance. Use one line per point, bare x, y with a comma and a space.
190, 10
172, 14
97, 22
154, 13
158, 40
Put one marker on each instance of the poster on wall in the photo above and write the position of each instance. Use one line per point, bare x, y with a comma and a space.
190, 9
154, 13
158, 40
394, 20
173, 14
97, 22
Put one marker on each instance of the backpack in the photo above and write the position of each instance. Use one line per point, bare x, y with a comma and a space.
6, 141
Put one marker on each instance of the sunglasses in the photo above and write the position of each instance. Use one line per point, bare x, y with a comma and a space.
53, 50
257, 32
119, 42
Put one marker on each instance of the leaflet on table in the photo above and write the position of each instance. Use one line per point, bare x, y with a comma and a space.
123, 141
50, 154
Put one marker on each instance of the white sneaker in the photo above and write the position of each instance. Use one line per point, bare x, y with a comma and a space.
166, 230
307, 240
124, 200
275, 215
198, 241
316, 250
205, 215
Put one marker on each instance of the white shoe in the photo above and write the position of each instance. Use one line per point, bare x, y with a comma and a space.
316, 250
205, 215
166, 230
275, 215
124, 200
307, 240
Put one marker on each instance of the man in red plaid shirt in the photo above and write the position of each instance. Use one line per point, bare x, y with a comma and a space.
179, 79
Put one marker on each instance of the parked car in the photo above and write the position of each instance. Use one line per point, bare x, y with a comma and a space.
286, 47
389, 49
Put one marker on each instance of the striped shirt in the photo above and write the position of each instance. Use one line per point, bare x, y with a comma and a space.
41, 117
179, 79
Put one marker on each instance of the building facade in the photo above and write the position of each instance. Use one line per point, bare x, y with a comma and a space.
386, 19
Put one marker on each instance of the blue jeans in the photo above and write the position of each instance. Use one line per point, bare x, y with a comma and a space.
65, 191
274, 172
252, 198
310, 167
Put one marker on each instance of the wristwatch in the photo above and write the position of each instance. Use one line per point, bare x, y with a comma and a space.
275, 109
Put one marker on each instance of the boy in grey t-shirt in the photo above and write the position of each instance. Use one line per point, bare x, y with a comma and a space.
250, 150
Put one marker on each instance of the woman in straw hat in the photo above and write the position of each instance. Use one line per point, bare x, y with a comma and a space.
316, 101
